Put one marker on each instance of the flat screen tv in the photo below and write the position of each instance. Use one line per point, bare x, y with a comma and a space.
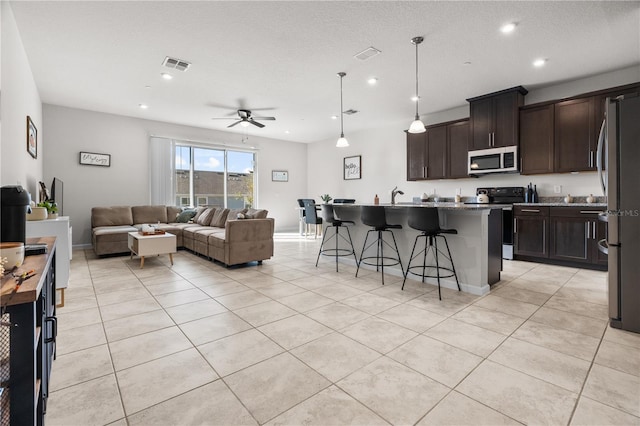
57, 194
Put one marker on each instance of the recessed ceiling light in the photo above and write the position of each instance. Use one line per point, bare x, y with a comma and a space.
508, 28
466, 63
539, 62
372, 81
143, 106
147, 87
287, 132
166, 76
334, 117
415, 98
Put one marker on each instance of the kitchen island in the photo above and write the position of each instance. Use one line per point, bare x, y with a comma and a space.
476, 249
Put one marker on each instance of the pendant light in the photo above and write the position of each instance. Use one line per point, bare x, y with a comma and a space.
342, 141
417, 126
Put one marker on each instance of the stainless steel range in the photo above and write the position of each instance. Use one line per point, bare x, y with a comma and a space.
505, 195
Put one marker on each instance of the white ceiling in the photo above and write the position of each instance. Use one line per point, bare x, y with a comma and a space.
285, 55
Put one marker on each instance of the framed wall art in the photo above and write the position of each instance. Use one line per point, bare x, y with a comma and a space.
32, 138
279, 175
94, 159
352, 167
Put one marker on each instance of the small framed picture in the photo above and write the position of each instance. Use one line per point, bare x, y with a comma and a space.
352, 167
279, 175
32, 138
94, 159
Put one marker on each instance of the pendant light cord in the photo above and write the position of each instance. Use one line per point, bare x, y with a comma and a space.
341, 108
417, 96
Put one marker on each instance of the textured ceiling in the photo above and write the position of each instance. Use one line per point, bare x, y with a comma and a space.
285, 55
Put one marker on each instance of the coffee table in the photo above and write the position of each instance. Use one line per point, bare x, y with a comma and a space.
151, 245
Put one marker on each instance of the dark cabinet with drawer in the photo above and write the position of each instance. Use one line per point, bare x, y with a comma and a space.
560, 235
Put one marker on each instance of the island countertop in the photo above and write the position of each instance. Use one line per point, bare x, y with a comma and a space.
442, 205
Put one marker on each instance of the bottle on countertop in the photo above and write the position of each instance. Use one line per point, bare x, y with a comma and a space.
528, 194
376, 200
457, 198
534, 195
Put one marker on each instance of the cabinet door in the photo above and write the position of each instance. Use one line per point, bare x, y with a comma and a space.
505, 120
570, 238
530, 236
436, 152
458, 149
416, 156
574, 135
481, 112
536, 140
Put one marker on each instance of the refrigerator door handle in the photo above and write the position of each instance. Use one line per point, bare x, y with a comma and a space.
601, 143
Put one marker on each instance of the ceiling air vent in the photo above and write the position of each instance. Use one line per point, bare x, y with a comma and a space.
350, 111
367, 53
177, 64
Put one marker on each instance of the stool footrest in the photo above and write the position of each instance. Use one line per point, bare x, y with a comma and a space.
425, 268
394, 260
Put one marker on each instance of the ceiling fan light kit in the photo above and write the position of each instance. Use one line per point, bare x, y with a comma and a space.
417, 126
342, 141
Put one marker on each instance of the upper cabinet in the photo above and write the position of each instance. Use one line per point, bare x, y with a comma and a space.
574, 133
536, 139
439, 153
494, 118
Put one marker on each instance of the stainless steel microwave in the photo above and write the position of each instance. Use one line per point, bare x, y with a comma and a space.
493, 160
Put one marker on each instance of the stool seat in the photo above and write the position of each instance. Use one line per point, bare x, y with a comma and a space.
375, 216
427, 220
328, 215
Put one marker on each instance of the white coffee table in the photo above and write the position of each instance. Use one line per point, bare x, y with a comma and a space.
151, 245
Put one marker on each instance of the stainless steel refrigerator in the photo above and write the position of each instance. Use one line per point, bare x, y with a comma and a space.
619, 152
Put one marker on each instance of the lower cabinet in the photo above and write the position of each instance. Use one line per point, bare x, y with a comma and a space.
563, 235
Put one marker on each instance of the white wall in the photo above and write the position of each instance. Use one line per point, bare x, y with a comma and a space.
20, 98
126, 182
383, 152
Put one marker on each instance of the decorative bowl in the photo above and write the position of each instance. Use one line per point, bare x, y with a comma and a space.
14, 252
37, 213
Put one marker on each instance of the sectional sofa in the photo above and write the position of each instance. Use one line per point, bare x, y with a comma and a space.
228, 236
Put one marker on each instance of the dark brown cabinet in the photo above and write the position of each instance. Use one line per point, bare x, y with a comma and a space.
458, 149
530, 231
574, 135
439, 153
561, 235
536, 139
494, 118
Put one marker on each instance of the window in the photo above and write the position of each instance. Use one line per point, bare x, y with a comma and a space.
214, 177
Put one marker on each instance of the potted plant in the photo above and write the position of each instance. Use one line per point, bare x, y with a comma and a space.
52, 208
326, 198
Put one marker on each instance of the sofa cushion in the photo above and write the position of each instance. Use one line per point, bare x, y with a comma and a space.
113, 233
220, 218
203, 234
256, 214
199, 211
233, 214
173, 212
185, 216
206, 216
111, 216
149, 214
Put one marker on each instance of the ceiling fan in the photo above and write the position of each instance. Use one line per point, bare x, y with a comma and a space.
245, 118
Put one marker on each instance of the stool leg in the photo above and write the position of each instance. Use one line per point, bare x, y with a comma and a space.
397, 251
428, 242
364, 246
435, 241
451, 260
380, 258
337, 235
324, 234
410, 259
353, 250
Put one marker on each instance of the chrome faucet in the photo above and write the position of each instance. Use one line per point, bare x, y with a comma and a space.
395, 192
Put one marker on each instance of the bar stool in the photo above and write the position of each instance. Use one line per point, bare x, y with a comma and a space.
311, 217
376, 217
426, 219
329, 217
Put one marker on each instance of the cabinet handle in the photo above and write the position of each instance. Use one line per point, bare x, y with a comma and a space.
521, 164
515, 226
544, 236
531, 210
594, 230
590, 211
424, 171
588, 230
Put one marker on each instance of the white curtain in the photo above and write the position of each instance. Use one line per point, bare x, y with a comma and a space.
162, 171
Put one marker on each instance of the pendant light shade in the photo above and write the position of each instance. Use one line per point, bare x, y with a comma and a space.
342, 141
417, 126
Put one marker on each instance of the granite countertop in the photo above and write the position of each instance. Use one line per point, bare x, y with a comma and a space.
441, 205
563, 204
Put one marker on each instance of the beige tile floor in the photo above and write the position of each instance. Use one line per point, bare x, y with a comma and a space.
289, 343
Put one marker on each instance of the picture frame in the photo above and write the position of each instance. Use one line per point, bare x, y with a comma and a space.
279, 175
32, 138
352, 168
95, 159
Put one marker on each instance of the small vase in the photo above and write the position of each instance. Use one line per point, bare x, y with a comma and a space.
53, 215
568, 199
591, 199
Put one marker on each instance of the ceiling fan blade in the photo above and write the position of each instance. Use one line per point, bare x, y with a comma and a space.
224, 118
234, 124
263, 118
255, 123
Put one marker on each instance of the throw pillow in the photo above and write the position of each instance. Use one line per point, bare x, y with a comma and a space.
220, 218
185, 216
205, 217
199, 211
233, 214
256, 214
